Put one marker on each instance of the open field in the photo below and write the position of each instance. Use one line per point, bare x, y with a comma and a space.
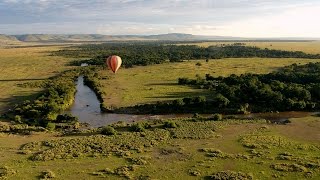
193, 149
260, 150
19, 65
153, 83
312, 47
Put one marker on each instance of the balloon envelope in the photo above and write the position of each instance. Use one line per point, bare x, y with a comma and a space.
114, 63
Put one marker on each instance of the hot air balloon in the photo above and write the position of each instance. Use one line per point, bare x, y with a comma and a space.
114, 63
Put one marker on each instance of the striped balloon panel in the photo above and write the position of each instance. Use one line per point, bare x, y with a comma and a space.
114, 63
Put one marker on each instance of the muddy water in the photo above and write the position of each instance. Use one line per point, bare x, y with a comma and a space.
87, 108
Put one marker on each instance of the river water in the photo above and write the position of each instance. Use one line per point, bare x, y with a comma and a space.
87, 108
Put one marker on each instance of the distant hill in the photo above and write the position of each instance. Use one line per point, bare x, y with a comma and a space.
43, 38
190, 37
100, 37
4, 37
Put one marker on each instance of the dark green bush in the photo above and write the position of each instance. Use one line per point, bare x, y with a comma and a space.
108, 130
137, 127
51, 126
227, 175
169, 124
217, 117
66, 118
47, 175
286, 167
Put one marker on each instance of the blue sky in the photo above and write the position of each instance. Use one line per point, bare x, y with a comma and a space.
241, 18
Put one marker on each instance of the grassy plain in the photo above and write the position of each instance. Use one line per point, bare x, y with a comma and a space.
25, 64
194, 150
190, 151
312, 47
145, 84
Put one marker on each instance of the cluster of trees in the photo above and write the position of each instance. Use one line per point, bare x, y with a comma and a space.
292, 88
197, 104
151, 53
91, 79
57, 97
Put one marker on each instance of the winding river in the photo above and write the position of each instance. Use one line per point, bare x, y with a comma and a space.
87, 108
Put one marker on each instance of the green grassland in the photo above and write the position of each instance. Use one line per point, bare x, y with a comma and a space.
20, 65
193, 150
146, 84
312, 47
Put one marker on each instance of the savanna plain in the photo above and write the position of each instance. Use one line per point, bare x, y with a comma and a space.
220, 146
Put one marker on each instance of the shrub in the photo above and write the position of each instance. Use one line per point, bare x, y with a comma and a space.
4, 127
5, 172
194, 172
217, 117
288, 167
138, 160
226, 175
66, 118
187, 100
108, 130
215, 153
199, 100
178, 102
47, 175
137, 127
196, 115
169, 124
17, 119
51, 126
198, 64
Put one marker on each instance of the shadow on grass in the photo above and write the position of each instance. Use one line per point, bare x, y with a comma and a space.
162, 84
179, 95
34, 79
9, 103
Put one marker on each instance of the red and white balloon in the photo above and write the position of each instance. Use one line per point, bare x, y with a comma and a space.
114, 63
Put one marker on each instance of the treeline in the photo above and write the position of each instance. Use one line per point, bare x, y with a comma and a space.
151, 53
58, 96
292, 88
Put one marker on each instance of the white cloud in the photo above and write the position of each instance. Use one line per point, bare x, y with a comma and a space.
295, 22
250, 18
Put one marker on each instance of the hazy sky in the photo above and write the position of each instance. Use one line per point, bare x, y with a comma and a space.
241, 18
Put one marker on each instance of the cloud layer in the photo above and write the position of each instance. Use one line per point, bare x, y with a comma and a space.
249, 18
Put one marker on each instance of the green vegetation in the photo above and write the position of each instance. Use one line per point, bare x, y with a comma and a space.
224, 175
152, 53
108, 130
58, 95
213, 147
47, 175
202, 148
27, 64
311, 47
292, 88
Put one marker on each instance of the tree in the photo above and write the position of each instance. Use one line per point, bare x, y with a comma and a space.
221, 101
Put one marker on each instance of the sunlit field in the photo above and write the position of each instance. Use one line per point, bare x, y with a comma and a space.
20, 65
160, 82
255, 149
191, 148
312, 47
